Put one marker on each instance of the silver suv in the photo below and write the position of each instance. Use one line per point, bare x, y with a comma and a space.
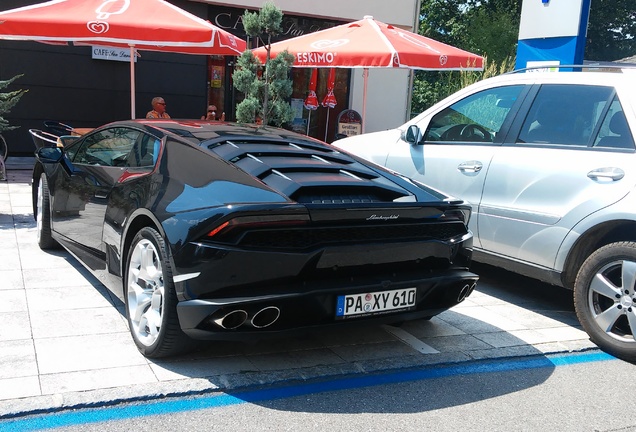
547, 161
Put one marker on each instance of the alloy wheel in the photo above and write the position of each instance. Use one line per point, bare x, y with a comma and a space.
39, 209
612, 300
146, 293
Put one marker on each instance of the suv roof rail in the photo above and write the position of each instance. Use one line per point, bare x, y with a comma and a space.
604, 67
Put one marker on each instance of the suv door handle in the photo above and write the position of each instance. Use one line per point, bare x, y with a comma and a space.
470, 166
613, 174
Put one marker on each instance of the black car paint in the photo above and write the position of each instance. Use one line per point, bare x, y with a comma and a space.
192, 190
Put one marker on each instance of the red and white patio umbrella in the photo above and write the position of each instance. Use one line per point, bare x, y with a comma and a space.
329, 100
369, 43
154, 25
311, 101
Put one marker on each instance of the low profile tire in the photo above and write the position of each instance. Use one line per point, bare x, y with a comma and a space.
151, 301
605, 299
43, 215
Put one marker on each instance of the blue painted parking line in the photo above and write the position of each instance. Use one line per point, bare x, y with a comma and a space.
97, 415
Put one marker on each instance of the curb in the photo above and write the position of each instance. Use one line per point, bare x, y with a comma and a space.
249, 380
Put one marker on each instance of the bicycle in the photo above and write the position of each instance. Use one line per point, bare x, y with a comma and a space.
4, 149
4, 154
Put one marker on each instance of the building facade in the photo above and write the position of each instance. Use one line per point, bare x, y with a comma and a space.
80, 87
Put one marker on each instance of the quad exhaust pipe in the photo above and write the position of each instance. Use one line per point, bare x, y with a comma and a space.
236, 318
232, 320
265, 317
465, 292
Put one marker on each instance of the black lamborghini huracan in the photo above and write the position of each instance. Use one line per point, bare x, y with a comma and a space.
218, 230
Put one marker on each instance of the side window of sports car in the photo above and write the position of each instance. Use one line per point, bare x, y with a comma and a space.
71, 149
477, 118
145, 152
109, 147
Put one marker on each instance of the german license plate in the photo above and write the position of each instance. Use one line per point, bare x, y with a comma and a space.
375, 302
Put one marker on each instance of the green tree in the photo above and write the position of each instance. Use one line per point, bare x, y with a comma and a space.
435, 86
267, 88
442, 20
611, 31
486, 27
489, 28
492, 33
7, 101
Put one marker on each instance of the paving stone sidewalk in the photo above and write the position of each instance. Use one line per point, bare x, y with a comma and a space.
64, 340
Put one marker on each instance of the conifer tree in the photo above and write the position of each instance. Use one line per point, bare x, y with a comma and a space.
267, 87
8, 101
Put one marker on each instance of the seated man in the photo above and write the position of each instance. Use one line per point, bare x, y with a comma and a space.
158, 109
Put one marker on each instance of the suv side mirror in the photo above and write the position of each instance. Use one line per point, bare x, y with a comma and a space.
413, 135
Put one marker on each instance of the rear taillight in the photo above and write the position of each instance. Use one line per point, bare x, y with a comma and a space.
217, 230
243, 223
462, 214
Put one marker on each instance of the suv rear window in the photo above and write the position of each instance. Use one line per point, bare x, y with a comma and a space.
568, 114
614, 131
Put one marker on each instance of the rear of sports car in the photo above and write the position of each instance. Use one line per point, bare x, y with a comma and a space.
344, 243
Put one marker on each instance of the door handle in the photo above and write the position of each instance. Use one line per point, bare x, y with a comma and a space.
470, 166
613, 174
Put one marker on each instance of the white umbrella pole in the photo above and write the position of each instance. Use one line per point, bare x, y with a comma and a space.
308, 122
132, 82
327, 127
365, 75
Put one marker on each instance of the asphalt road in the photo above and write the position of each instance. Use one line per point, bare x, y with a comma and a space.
581, 392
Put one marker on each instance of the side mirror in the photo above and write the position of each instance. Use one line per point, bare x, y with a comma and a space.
413, 135
50, 154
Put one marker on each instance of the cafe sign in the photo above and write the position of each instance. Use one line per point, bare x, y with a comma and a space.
349, 123
108, 53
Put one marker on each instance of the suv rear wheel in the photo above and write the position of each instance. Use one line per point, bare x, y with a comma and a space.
605, 298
